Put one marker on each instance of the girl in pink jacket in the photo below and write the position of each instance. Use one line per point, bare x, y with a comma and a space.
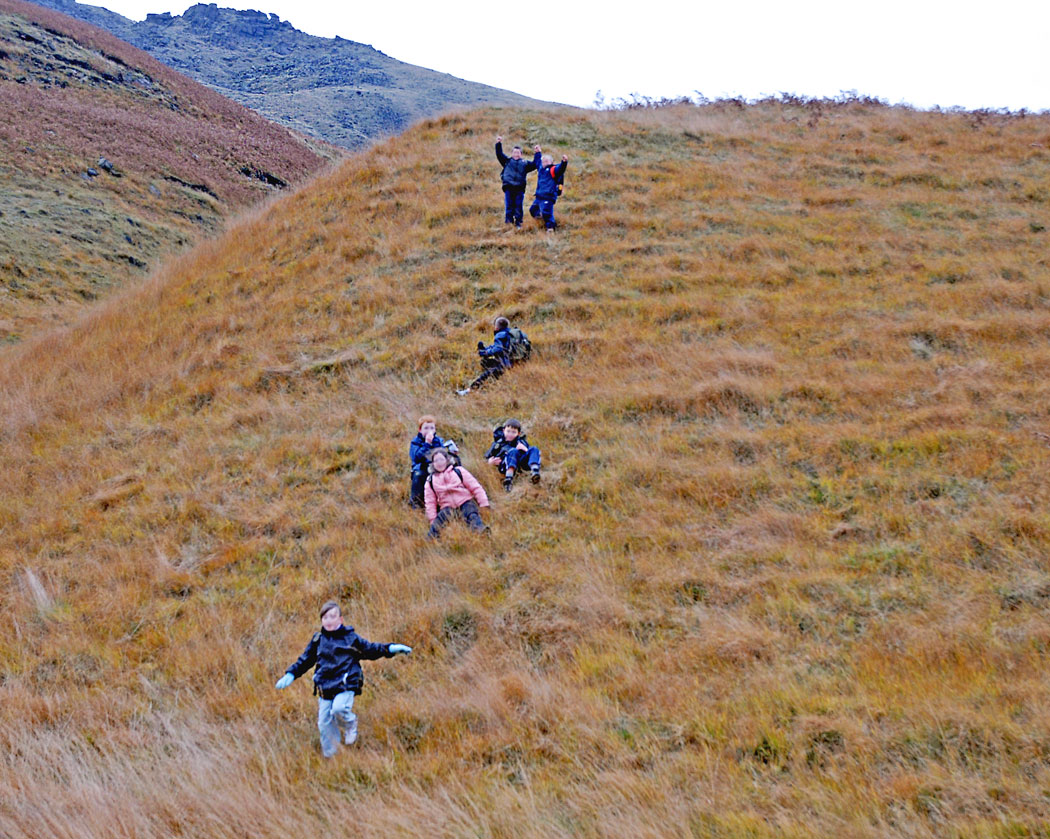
450, 491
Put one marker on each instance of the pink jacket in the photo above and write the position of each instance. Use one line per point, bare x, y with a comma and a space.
447, 489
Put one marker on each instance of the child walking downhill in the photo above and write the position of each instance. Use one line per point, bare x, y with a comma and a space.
511, 451
452, 491
515, 170
548, 188
335, 653
420, 449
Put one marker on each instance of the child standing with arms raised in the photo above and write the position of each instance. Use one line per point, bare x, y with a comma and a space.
515, 169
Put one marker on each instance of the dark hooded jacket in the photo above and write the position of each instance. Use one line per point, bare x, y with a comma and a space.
419, 451
514, 171
336, 658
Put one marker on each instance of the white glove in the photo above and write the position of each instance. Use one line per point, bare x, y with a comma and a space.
399, 648
284, 681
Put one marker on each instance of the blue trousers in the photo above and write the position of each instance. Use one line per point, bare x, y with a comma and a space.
516, 458
514, 205
544, 208
330, 714
419, 485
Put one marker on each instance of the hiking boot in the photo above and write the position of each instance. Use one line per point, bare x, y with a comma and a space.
463, 392
508, 482
535, 476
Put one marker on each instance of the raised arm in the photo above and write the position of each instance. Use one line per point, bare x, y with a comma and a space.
500, 156
537, 159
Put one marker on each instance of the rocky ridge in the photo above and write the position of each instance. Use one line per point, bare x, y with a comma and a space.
342, 91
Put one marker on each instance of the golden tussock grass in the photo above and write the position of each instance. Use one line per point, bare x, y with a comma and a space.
785, 576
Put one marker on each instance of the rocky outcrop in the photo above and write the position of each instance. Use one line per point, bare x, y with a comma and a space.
341, 91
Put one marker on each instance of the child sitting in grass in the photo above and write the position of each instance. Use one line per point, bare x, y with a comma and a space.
508, 347
510, 451
452, 491
335, 653
419, 451
548, 188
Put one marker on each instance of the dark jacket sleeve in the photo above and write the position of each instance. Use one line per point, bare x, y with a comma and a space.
419, 448
365, 649
307, 660
537, 159
416, 452
559, 173
500, 156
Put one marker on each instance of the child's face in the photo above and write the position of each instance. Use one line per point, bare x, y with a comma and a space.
440, 462
332, 620
515, 153
428, 429
510, 433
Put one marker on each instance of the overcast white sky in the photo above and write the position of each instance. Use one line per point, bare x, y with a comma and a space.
988, 54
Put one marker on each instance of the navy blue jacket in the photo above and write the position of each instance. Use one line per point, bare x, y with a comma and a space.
418, 450
500, 446
514, 171
499, 347
547, 182
336, 658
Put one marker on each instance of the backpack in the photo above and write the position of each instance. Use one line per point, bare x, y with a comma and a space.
559, 182
520, 346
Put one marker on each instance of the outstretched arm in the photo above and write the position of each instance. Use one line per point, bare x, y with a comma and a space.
367, 650
500, 156
307, 660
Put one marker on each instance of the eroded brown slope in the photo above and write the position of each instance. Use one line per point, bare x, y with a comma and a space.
109, 161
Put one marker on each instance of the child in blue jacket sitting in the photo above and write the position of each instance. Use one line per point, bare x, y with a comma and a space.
508, 347
510, 451
335, 653
548, 188
419, 452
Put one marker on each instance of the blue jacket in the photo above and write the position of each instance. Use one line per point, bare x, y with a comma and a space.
336, 659
500, 346
548, 179
418, 450
500, 446
514, 171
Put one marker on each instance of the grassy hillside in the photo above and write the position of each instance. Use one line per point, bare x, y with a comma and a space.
787, 571
179, 160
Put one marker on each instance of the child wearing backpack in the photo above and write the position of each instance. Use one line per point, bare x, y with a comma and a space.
420, 449
335, 653
548, 188
515, 170
452, 491
509, 346
510, 451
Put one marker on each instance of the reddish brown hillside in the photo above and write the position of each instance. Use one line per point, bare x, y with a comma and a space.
109, 159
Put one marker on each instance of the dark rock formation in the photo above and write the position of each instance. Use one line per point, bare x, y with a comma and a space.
342, 91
